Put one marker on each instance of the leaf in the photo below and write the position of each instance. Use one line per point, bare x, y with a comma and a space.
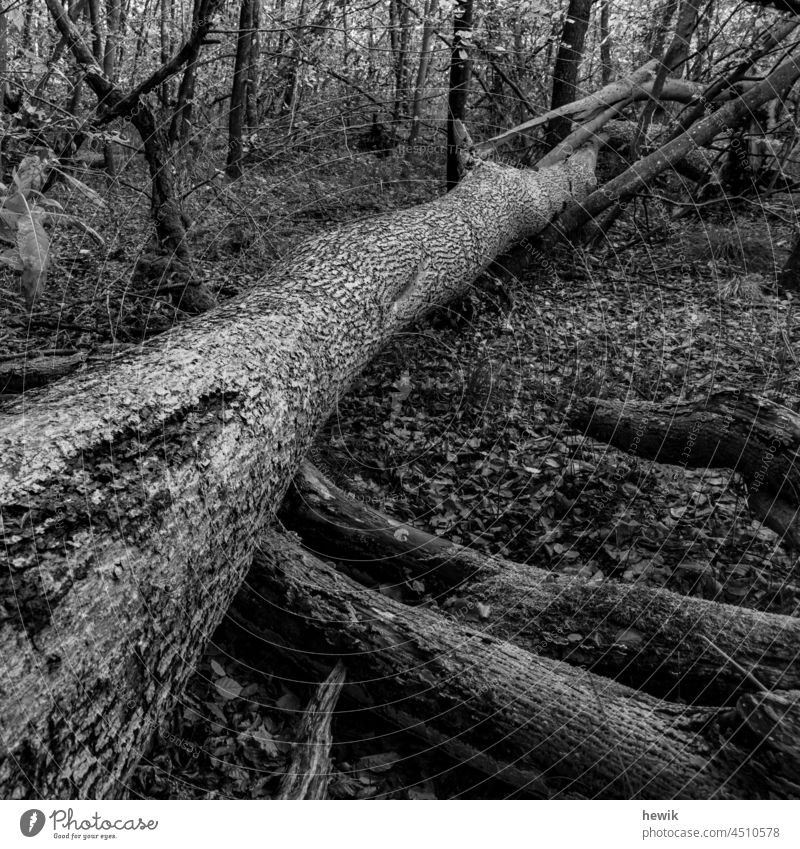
85, 190
218, 669
34, 250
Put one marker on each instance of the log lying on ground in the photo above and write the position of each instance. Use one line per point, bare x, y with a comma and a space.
649, 638
755, 437
540, 725
309, 773
131, 495
776, 84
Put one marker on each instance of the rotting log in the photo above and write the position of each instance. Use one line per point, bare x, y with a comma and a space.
542, 726
646, 637
755, 437
132, 494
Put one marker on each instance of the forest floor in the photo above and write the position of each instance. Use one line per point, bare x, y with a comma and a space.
459, 425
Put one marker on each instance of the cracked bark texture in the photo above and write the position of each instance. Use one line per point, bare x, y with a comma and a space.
132, 495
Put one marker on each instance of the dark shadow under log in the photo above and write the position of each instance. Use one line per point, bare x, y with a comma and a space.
653, 639
540, 725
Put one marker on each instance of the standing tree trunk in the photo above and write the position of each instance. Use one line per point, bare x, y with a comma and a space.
542, 726
132, 496
460, 68
431, 8
400, 32
182, 117
241, 71
776, 84
96, 26
567, 67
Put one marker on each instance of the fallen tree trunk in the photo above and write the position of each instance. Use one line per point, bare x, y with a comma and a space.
542, 726
648, 638
131, 495
755, 437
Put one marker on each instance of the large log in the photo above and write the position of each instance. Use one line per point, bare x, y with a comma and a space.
650, 638
540, 725
131, 495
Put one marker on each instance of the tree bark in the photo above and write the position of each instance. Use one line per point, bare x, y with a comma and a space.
757, 438
648, 638
241, 72
567, 67
460, 70
131, 496
542, 726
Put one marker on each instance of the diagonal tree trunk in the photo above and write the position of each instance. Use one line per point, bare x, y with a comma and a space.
131, 497
567, 67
